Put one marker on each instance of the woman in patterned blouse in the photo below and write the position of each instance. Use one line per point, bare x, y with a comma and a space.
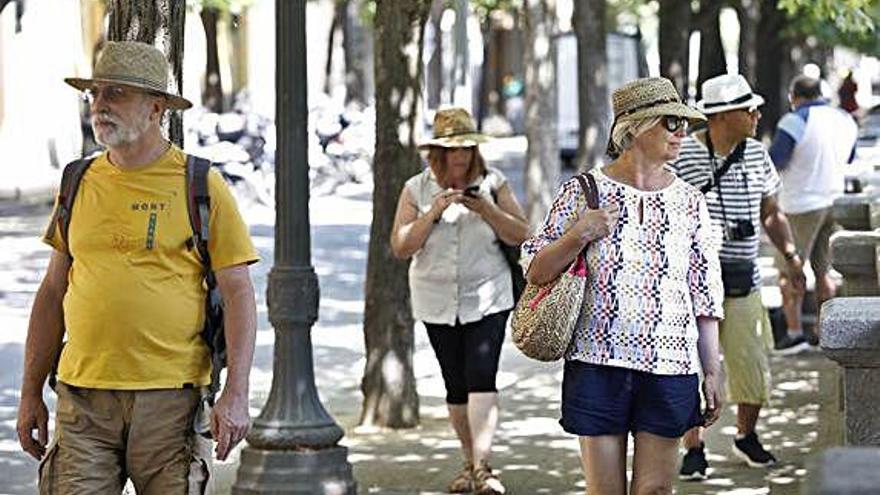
649, 321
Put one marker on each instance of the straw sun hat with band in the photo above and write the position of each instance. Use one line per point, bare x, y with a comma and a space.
454, 128
644, 99
133, 64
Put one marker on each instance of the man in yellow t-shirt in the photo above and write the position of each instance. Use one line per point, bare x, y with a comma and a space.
130, 295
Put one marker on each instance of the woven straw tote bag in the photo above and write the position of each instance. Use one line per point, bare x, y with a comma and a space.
544, 317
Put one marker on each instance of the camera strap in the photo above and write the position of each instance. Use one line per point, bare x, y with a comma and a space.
737, 154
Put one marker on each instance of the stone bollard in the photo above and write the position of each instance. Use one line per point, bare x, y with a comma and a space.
844, 471
854, 255
853, 211
850, 335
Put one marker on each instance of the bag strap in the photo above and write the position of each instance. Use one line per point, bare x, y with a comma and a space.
199, 210
70, 181
591, 190
736, 155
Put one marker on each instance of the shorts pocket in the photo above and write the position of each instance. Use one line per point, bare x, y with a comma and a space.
199, 480
47, 473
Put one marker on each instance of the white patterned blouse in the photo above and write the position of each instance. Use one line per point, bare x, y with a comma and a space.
649, 279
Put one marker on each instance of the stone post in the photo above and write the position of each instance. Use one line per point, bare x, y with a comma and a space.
854, 255
854, 251
852, 211
851, 336
843, 471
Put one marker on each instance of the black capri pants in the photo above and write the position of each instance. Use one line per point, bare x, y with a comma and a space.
468, 354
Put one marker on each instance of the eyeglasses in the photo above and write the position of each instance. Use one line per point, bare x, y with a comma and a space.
111, 93
673, 123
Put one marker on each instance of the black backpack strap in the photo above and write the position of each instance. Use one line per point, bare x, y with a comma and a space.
70, 181
199, 211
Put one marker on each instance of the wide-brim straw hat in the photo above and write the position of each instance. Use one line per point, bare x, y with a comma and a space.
727, 92
135, 64
454, 128
650, 97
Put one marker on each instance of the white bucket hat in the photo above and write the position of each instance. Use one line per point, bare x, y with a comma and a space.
726, 93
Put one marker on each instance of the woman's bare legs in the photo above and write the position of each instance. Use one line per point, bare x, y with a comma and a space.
458, 416
603, 459
654, 464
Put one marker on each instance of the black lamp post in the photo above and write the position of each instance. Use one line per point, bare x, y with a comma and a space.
293, 445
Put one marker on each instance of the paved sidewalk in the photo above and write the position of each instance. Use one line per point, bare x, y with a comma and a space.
533, 455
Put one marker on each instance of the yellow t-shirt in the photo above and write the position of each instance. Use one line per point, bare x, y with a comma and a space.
134, 306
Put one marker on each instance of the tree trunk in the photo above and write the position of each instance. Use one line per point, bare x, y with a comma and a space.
338, 23
212, 97
389, 386
593, 104
542, 157
772, 60
712, 60
353, 41
131, 20
485, 73
434, 80
462, 82
674, 40
748, 13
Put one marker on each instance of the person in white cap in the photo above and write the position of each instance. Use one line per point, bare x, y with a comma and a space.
739, 181
126, 286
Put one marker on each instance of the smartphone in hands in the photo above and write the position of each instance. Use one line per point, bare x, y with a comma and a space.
472, 191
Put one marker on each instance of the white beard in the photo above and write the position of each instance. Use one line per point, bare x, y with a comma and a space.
120, 134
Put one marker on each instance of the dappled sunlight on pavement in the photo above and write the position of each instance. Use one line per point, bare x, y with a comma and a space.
532, 454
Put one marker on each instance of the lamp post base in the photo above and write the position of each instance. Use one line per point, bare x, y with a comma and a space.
288, 472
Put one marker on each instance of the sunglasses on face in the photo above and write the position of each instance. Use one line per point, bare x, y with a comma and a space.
673, 123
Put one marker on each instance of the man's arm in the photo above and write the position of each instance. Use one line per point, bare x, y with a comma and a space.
45, 331
229, 419
779, 231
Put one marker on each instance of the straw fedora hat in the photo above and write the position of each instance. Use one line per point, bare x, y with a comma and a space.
727, 92
134, 64
650, 97
454, 128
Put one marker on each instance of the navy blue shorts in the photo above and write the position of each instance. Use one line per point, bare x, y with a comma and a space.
606, 400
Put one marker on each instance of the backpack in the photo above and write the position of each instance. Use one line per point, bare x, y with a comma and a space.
198, 206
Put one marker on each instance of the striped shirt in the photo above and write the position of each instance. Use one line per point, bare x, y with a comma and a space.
742, 188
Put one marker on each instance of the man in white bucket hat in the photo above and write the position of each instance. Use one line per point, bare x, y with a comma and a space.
737, 176
125, 284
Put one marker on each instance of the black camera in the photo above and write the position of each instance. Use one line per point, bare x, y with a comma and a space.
738, 230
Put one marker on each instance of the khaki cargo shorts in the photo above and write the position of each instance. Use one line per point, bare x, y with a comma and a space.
812, 236
104, 437
746, 341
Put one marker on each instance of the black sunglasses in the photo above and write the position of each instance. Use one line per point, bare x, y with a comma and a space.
673, 123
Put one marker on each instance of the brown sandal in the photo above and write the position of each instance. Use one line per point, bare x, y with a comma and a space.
464, 481
486, 482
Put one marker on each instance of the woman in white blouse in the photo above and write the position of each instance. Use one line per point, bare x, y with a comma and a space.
451, 219
649, 320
